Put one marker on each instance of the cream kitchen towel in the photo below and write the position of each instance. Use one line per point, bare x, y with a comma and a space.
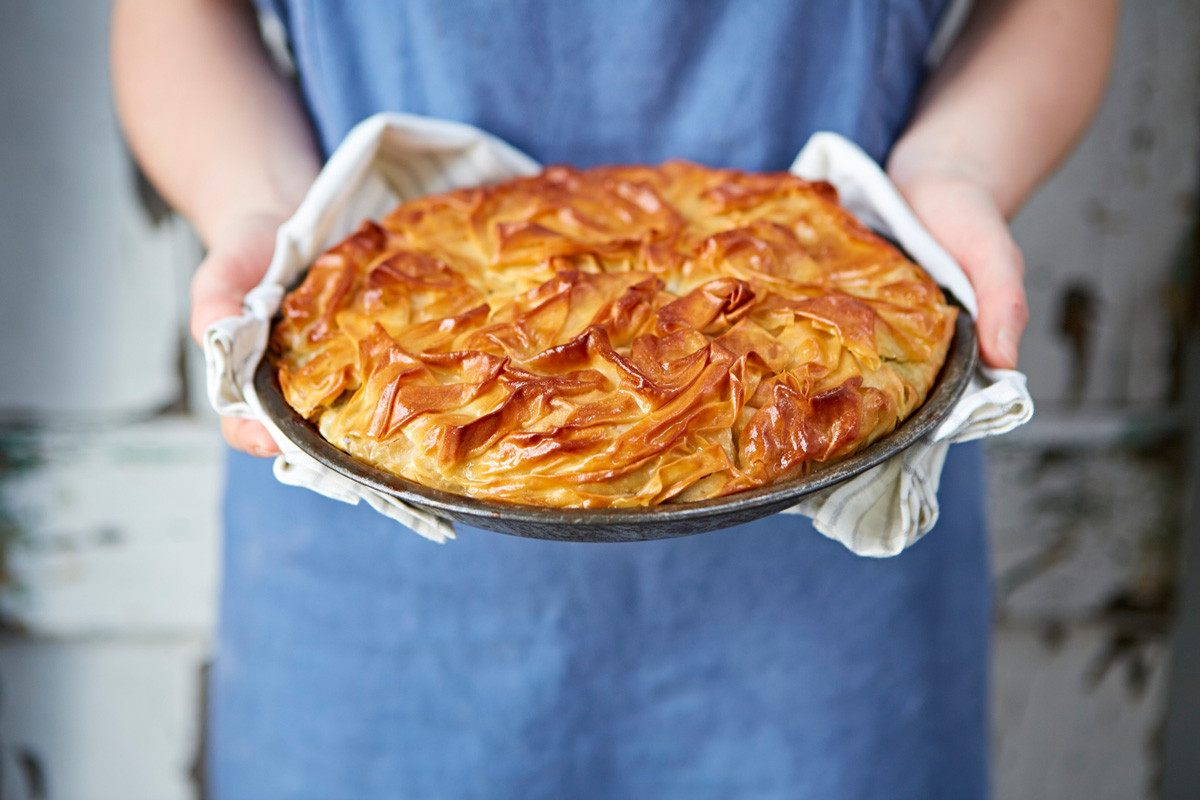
389, 158
885, 509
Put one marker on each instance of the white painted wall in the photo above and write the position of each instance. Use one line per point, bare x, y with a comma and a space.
1116, 220
100, 718
89, 288
108, 513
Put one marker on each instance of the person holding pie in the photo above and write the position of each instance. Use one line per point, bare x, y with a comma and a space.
766, 661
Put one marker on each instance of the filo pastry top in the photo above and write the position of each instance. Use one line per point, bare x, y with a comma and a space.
619, 336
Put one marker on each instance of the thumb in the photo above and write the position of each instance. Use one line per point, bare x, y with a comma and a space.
964, 219
996, 270
235, 264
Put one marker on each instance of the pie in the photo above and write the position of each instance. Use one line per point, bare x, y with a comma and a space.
612, 337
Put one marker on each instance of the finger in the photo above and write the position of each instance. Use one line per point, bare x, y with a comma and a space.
996, 270
248, 436
965, 220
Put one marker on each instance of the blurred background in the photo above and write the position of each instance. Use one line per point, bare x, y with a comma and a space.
110, 460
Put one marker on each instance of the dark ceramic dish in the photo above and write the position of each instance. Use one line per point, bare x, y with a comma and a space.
631, 524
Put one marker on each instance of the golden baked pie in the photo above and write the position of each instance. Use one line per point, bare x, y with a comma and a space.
618, 336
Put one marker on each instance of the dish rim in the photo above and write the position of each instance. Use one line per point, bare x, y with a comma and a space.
664, 520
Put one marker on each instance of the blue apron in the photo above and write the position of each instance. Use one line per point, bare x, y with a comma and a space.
358, 660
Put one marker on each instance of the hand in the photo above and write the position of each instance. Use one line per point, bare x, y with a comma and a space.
236, 263
963, 217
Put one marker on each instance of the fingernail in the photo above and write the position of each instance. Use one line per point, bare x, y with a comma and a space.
1006, 344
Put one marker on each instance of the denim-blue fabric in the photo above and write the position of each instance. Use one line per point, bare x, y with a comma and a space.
357, 660
740, 83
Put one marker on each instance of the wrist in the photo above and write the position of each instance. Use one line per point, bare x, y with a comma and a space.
221, 205
912, 163
918, 171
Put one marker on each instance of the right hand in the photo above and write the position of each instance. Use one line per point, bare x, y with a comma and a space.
236, 262
961, 214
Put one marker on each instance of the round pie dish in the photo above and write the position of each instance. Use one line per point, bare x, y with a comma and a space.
662, 521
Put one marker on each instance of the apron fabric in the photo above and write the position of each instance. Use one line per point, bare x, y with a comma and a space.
731, 83
358, 660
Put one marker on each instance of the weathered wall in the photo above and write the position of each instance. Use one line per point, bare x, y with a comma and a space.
108, 508
108, 505
1088, 501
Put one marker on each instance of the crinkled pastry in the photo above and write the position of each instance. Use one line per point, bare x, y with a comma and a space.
612, 337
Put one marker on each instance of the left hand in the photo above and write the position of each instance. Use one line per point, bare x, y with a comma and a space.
963, 217
237, 259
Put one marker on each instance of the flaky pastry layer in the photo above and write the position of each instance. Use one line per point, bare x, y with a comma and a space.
619, 336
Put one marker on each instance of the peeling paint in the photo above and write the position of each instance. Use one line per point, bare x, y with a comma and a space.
1077, 325
1076, 719
1080, 532
19, 455
1142, 138
1103, 218
32, 772
114, 529
19, 451
1135, 621
198, 771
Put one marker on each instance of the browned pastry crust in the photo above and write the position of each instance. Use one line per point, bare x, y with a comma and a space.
620, 336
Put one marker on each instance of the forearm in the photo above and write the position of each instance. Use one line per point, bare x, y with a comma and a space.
217, 130
1013, 95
